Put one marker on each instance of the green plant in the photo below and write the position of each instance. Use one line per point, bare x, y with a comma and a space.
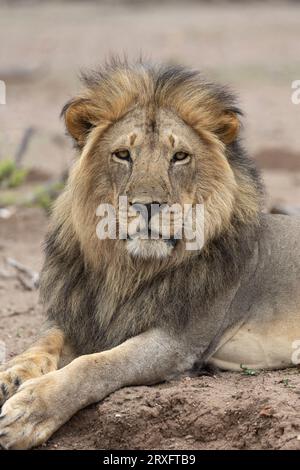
17, 177
7, 167
248, 371
10, 175
286, 383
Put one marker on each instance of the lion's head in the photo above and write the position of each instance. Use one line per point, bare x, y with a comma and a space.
159, 135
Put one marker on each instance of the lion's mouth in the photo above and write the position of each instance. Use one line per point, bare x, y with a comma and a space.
168, 241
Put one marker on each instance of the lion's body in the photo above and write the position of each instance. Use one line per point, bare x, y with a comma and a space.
256, 313
138, 311
99, 309
269, 300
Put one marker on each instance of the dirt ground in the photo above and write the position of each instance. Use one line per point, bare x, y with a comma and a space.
253, 48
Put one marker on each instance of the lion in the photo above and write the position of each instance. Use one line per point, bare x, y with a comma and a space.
138, 311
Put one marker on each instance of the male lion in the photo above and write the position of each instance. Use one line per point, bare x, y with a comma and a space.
135, 311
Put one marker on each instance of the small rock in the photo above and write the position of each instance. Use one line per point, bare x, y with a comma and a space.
267, 412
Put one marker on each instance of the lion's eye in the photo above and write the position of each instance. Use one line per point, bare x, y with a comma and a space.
123, 155
180, 157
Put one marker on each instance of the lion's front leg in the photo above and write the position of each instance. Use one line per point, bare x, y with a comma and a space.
42, 405
38, 360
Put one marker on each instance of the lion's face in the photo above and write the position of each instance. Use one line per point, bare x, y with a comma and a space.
162, 140
164, 169
155, 161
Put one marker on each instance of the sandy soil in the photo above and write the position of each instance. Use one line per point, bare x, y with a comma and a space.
257, 52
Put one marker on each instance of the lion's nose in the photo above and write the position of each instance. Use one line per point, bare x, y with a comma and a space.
151, 207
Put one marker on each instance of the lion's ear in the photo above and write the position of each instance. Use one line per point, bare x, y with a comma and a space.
229, 126
79, 119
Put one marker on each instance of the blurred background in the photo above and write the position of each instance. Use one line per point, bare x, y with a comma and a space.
252, 46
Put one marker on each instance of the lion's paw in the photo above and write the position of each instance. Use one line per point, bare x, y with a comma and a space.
10, 381
26, 419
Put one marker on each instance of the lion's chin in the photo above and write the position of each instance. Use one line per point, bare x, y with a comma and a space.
150, 248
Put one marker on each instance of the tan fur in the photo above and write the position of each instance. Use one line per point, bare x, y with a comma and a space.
41, 358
